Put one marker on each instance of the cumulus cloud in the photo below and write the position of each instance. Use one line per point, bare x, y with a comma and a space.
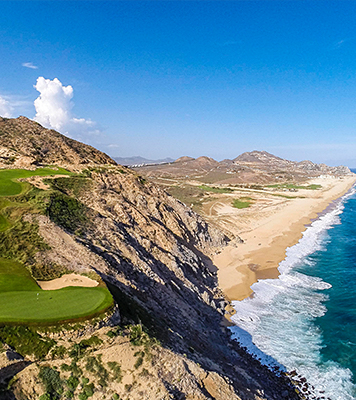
6, 108
29, 65
53, 106
54, 109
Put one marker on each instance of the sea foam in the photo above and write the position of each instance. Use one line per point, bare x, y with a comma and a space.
276, 324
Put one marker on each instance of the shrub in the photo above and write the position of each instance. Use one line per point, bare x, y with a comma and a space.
95, 365
51, 381
138, 362
116, 370
138, 337
67, 212
73, 185
21, 242
26, 341
91, 342
72, 383
45, 396
58, 352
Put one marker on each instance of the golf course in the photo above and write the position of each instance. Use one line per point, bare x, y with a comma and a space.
22, 300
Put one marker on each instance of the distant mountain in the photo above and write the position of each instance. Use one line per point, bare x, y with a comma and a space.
258, 167
137, 160
184, 159
257, 156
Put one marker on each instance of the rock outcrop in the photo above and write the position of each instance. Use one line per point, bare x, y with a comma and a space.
25, 143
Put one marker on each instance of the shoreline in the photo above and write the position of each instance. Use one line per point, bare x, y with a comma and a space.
265, 243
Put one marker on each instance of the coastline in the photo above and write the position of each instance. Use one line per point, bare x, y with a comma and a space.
266, 239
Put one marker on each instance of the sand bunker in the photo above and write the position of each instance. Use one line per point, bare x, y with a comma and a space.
67, 280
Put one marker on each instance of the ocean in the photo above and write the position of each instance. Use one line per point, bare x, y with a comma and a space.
305, 321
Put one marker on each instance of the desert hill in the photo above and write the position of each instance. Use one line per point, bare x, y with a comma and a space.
257, 156
255, 167
24, 143
164, 339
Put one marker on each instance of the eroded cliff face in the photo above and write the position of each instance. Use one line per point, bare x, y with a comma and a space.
154, 254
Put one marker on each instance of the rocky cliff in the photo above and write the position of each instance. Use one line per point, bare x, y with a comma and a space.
154, 254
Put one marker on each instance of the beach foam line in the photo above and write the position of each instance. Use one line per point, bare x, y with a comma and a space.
276, 324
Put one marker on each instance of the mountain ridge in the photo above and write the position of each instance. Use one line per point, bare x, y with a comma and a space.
24, 142
255, 167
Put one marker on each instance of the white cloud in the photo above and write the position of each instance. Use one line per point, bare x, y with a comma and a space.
6, 108
53, 106
29, 65
54, 109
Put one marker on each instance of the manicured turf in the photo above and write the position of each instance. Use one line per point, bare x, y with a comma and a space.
239, 203
15, 277
293, 186
21, 299
215, 189
8, 186
44, 306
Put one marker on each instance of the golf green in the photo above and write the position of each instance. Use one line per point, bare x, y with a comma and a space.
21, 299
53, 305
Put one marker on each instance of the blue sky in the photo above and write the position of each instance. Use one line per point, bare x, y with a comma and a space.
172, 78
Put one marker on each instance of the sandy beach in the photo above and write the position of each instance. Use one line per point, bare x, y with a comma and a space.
268, 228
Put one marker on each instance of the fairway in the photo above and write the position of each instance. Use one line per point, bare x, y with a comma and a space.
15, 277
21, 299
8, 185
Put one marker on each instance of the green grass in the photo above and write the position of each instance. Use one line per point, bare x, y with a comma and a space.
21, 299
215, 189
46, 306
240, 203
293, 186
9, 186
14, 277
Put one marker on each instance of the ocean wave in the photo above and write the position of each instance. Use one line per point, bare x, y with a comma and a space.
276, 324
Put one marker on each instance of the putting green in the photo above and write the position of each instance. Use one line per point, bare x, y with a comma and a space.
21, 299
53, 305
